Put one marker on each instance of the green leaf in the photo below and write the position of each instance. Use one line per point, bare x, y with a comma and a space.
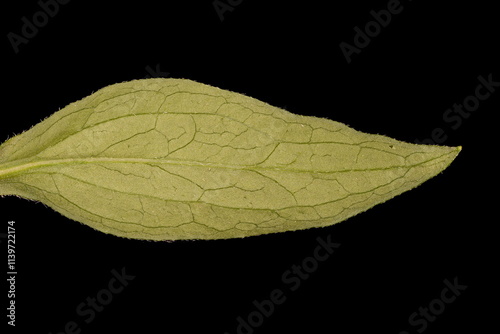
168, 159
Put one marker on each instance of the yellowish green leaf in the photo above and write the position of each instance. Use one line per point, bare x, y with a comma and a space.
169, 159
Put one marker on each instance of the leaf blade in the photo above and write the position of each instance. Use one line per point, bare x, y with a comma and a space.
166, 159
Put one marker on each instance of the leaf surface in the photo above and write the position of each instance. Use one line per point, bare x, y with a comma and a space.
169, 159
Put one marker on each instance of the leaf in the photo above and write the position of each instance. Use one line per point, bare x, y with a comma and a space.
168, 159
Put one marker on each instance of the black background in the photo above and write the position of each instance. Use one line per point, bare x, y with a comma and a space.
393, 258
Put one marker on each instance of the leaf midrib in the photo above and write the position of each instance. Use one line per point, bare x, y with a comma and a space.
18, 169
